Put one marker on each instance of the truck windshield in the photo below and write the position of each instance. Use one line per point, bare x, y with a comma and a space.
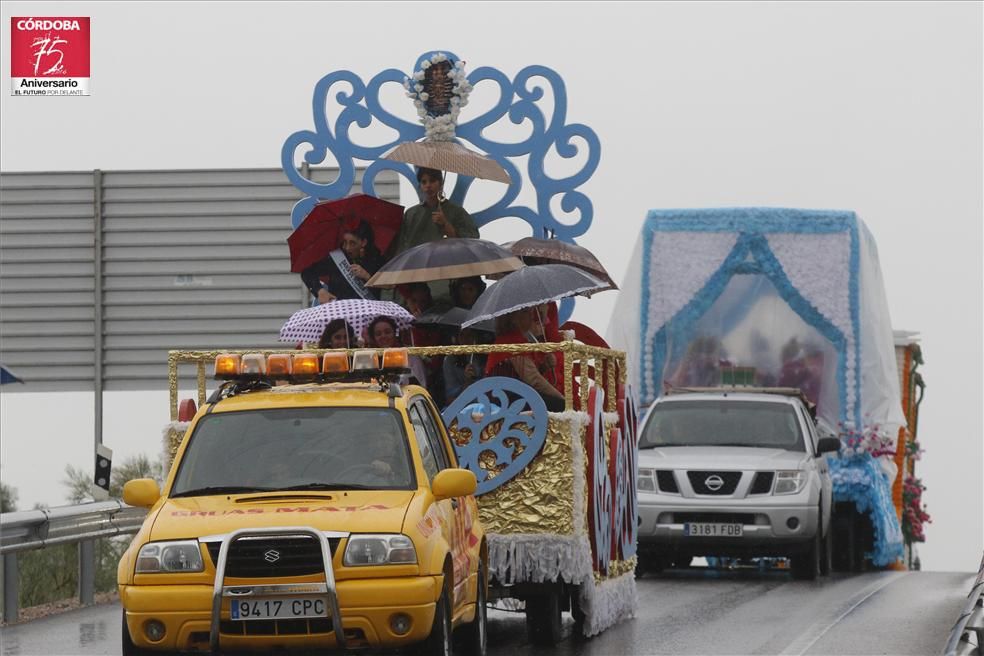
723, 423
296, 448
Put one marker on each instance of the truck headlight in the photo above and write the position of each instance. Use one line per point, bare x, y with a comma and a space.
789, 482
183, 556
382, 549
646, 480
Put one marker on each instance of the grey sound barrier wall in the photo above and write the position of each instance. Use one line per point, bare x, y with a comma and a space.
103, 272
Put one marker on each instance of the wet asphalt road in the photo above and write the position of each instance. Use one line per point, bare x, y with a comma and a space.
691, 611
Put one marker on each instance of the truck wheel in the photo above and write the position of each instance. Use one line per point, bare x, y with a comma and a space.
806, 565
842, 525
439, 642
476, 633
577, 612
827, 552
543, 621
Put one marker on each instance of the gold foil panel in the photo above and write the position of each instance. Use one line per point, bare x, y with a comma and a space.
173, 441
541, 498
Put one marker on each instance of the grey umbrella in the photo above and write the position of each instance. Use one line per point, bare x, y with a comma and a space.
530, 286
452, 318
445, 259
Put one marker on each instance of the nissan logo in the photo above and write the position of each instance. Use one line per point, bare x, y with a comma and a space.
271, 556
714, 483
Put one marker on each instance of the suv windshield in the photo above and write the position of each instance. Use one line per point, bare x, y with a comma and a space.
723, 423
296, 448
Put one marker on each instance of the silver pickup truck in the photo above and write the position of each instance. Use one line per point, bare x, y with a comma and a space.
736, 472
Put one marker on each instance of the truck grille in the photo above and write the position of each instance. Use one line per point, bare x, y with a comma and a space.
667, 483
277, 627
268, 557
717, 518
762, 484
699, 479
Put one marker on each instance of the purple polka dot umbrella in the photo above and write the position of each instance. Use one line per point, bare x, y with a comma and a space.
307, 325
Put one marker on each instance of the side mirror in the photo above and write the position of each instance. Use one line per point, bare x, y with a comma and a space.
452, 483
828, 445
141, 492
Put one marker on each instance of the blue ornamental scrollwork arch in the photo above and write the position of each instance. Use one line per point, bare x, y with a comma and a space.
497, 426
518, 99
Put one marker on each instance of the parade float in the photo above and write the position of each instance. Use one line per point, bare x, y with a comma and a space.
795, 298
556, 490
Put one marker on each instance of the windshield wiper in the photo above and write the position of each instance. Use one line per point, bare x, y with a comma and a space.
219, 489
326, 486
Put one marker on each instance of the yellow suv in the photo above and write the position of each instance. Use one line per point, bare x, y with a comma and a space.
305, 499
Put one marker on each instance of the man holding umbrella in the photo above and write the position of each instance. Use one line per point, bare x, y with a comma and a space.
432, 220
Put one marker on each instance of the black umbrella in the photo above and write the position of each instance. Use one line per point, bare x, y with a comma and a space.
531, 286
445, 259
452, 318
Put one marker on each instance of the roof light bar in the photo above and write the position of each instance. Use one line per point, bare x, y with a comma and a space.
227, 366
253, 366
305, 367
396, 359
279, 365
335, 363
365, 360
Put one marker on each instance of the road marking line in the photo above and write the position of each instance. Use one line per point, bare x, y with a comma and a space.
812, 635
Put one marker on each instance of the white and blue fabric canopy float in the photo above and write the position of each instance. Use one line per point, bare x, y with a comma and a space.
795, 296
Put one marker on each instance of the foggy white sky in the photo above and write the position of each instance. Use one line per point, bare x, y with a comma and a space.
874, 107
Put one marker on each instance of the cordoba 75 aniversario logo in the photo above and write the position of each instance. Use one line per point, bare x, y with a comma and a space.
49, 56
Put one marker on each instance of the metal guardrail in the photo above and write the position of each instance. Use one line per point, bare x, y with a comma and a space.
81, 524
967, 636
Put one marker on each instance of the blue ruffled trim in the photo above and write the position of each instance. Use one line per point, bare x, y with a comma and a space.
760, 220
861, 480
855, 321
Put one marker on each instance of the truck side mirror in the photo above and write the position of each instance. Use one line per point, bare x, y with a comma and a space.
141, 492
452, 483
828, 445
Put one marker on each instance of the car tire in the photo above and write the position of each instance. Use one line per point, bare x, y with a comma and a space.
543, 618
476, 634
806, 565
827, 553
440, 641
577, 612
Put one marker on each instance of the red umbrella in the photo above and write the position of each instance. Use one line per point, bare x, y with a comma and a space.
321, 230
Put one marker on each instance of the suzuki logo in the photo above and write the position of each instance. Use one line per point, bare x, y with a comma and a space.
271, 556
714, 483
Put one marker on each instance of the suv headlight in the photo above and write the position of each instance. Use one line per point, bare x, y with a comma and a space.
383, 549
646, 480
789, 482
183, 556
